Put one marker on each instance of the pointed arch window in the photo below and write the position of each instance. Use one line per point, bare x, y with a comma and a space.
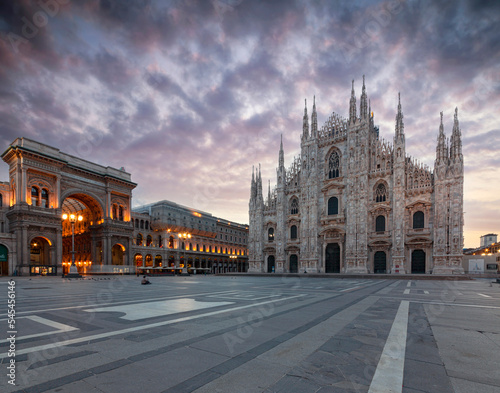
418, 220
120, 213
293, 232
380, 224
294, 206
381, 193
333, 206
334, 165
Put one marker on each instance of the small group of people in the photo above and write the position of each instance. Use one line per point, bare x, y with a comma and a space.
145, 281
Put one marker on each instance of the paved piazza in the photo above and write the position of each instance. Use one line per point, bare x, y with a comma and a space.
253, 334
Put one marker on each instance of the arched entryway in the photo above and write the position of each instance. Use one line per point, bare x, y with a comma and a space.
294, 263
332, 258
138, 260
40, 258
4, 260
418, 262
82, 218
270, 264
380, 262
117, 254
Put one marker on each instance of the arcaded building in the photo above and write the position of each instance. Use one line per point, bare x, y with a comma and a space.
169, 236
353, 203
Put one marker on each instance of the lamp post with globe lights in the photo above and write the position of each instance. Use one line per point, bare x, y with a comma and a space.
184, 237
73, 218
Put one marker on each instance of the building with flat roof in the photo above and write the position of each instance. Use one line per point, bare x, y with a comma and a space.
488, 239
171, 238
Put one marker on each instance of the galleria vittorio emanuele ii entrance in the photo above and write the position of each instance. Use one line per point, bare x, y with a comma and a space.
55, 198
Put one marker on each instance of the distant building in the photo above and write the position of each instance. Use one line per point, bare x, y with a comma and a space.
168, 235
353, 203
488, 239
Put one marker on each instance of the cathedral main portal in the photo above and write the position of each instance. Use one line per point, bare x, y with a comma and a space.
332, 258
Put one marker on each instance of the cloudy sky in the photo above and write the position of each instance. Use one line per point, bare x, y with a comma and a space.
188, 95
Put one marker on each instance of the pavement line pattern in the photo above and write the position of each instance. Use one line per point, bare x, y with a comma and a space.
426, 292
114, 304
409, 284
142, 327
61, 328
388, 377
350, 289
270, 366
407, 292
483, 295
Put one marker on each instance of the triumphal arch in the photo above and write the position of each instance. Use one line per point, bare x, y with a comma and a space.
46, 184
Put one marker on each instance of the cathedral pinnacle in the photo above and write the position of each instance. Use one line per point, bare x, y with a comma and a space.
400, 128
456, 139
352, 106
363, 104
441, 148
305, 126
281, 154
253, 189
314, 120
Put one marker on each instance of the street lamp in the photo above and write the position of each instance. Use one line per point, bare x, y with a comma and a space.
184, 236
73, 218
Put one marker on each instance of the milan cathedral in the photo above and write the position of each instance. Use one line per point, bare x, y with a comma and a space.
353, 203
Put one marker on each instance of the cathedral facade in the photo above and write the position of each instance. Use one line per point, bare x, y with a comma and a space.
353, 203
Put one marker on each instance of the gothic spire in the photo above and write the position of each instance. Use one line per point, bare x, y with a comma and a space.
441, 148
363, 107
400, 128
253, 188
282, 154
305, 125
352, 106
259, 185
456, 139
370, 114
314, 119
269, 191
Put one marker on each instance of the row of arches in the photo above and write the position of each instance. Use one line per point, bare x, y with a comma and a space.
141, 224
193, 263
149, 242
333, 261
